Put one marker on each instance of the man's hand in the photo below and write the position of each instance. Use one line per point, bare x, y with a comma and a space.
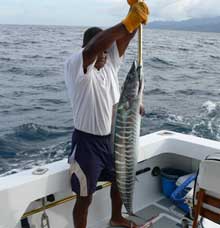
142, 111
137, 15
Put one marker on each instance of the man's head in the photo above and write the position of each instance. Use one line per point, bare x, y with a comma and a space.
88, 35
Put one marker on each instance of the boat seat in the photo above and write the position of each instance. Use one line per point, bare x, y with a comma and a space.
208, 190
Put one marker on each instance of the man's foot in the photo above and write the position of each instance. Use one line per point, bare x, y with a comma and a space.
122, 222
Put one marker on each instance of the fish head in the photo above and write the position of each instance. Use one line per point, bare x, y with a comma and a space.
132, 87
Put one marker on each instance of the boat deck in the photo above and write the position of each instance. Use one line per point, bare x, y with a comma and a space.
162, 213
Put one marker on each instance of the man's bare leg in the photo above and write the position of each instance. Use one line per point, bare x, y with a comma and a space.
80, 211
117, 219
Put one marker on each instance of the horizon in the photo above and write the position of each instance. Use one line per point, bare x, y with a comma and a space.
175, 21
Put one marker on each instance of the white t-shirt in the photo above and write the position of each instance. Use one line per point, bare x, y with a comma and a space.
93, 94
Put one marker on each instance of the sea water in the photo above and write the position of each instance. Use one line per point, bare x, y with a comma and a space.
182, 78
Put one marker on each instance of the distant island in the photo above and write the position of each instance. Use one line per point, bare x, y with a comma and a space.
199, 24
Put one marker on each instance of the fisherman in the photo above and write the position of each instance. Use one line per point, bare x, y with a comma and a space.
91, 77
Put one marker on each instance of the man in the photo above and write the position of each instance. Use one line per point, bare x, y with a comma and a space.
93, 88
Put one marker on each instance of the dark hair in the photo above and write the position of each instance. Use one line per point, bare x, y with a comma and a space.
89, 34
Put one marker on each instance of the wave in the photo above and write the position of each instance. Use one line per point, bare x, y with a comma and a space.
38, 57
194, 92
16, 70
31, 131
7, 154
49, 57
10, 172
5, 59
159, 63
4, 43
64, 52
18, 93
30, 145
163, 47
206, 124
162, 61
183, 49
27, 42
207, 128
209, 43
35, 158
22, 42
209, 106
9, 147
159, 78
211, 109
47, 88
26, 109
32, 56
42, 72
162, 120
51, 101
155, 92
162, 114
215, 57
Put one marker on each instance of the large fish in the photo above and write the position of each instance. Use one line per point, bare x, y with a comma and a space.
126, 135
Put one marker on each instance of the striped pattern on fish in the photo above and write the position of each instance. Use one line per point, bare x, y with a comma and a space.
126, 135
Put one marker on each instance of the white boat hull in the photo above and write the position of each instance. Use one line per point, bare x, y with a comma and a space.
19, 192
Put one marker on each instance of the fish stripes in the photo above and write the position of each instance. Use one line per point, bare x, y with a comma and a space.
126, 136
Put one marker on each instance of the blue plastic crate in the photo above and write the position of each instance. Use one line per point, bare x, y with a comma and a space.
169, 177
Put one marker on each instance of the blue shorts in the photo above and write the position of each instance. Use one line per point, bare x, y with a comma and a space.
93, 162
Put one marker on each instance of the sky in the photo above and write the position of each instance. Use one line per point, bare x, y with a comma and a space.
99, 12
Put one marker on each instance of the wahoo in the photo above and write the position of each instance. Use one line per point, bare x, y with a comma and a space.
126, 135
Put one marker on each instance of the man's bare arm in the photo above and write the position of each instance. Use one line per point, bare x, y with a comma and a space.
123, 43
102, 42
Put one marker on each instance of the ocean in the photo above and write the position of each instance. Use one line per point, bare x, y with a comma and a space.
182, 78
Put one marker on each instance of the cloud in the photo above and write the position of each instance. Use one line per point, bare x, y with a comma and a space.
168, 9
162, 9
99, 12
183, 9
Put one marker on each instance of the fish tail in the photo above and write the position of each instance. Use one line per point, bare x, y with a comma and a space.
137, 216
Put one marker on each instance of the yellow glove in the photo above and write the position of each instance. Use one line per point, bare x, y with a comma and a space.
131, 2
137, 15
